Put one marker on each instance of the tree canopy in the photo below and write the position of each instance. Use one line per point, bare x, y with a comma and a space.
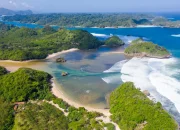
114, 41
131, 109
149, 49
21, 44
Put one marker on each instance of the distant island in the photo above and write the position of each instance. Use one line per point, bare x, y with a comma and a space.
4, 11
142, 48
101, 20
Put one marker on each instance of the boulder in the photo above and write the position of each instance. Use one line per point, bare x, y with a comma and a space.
64, 74
61, 60
146, 92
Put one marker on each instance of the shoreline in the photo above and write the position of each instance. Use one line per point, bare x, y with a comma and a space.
61, 52
58, 92
48, 57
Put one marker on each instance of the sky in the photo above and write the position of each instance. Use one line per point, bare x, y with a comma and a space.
52, 6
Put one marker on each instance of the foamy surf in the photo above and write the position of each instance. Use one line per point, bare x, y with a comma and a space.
100, 35
154, 75
175, 35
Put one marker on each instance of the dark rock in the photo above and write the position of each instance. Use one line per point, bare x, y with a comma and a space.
146, 92
64, 74
61, 60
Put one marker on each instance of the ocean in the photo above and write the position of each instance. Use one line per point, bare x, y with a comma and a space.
95, 73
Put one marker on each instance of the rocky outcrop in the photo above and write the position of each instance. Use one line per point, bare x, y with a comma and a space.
64, 73
60, 60
146, 92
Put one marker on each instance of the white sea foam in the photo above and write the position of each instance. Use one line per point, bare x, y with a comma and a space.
147, 26
175, 35
154, 75
127, 39
114, 79
100, 35
116, 67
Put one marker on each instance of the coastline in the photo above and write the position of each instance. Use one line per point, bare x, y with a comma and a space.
61, 52
57, 91
48, 57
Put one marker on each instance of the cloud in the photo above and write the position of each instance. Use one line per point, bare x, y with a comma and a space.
26, 5
13, 3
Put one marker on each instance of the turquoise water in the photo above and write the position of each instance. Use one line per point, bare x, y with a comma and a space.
95, 73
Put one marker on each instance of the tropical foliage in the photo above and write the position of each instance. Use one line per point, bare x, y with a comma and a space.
84, 20
25, 84
2, 70
131, 109
114, 41
34, 88
6, 115
142, 48
25, 44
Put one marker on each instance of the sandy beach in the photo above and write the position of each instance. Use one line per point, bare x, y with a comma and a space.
59, 93
61, 52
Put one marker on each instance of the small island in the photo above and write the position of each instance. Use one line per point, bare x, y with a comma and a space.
114, 41
140, 48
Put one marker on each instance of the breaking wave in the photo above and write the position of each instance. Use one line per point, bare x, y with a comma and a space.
175, 35
154, 75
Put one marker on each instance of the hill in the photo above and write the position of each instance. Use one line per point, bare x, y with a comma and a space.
39, 108
132, 110
114, 41
142, 48
95, 20
21, 44
4, 11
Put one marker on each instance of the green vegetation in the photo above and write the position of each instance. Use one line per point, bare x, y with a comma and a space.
95, 20
25, 84
85, 20
139, 40
131, 109
21, 44
6, 115
34, 87
3, 71
114, 41
149, 49
40, 116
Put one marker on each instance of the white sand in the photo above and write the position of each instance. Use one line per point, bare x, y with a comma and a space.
106, 118
61, 52
58, 93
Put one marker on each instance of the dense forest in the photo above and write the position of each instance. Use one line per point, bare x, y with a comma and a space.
25, 44
142, 48
95, 20
34, 88
132, 110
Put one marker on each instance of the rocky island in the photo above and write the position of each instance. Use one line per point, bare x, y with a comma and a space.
140, 48
114, 41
